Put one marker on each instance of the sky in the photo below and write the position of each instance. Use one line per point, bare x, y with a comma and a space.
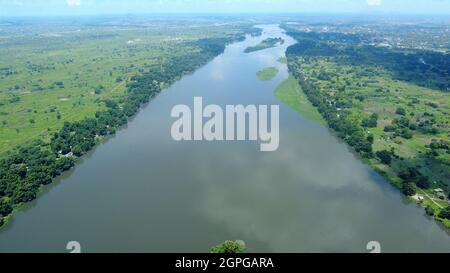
93, 7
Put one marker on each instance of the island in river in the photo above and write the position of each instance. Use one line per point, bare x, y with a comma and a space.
265, 44
267, 73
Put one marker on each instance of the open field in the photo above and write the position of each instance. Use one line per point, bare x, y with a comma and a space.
392, 109
56, 71
63, 91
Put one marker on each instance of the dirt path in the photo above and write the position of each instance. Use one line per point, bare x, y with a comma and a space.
432, 200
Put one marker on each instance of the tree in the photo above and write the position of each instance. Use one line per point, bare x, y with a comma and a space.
423, 182
406, 133
24, 193
5, 208
385, 157
445, 213
429, 210
390, 128
65, 163
400, 111
229, 247
408, 189
371, 122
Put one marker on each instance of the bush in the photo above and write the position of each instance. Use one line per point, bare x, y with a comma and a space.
385, 157
5, 208
389, 128
406, 133
370, 122
408, 189
445, 213
423, 183
229, 247
400, 111
429, 210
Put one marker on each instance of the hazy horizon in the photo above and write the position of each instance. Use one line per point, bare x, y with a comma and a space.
19, 8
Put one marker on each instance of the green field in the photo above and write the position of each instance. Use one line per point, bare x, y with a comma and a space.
383, 96
51, 73
63, 90
290, 93
392, 110
267, 74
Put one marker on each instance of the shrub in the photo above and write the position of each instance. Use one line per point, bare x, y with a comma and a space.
423, 183
385, 157
408, 189
229, 247
400, 111
445, 213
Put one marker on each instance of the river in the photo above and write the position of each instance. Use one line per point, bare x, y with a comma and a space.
141, 191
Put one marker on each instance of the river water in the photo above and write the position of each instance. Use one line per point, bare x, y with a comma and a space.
141, 191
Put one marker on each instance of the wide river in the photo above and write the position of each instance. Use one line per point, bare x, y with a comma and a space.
141, 191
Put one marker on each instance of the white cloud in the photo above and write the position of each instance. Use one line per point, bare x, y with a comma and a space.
374, 2
73, 3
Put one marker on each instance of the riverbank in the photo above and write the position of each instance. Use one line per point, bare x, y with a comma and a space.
290, 93
27, 170
141, 191
421, 198
361, 142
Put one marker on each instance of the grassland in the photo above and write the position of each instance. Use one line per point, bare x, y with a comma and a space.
369, 91
53, 72
388, 101
290, 93
63, 91
383, 96
267, 74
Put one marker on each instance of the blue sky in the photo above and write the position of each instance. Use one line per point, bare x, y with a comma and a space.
88, 7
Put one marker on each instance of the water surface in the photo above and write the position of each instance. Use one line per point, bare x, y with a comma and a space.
143, 192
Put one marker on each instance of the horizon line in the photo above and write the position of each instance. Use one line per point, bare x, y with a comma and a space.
373, 13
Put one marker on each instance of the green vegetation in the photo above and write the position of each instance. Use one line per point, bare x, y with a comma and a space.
56, 108
290, 93
282, 60
229, 247
445, 213
53, 72
267, 43
267, 74
385, 104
